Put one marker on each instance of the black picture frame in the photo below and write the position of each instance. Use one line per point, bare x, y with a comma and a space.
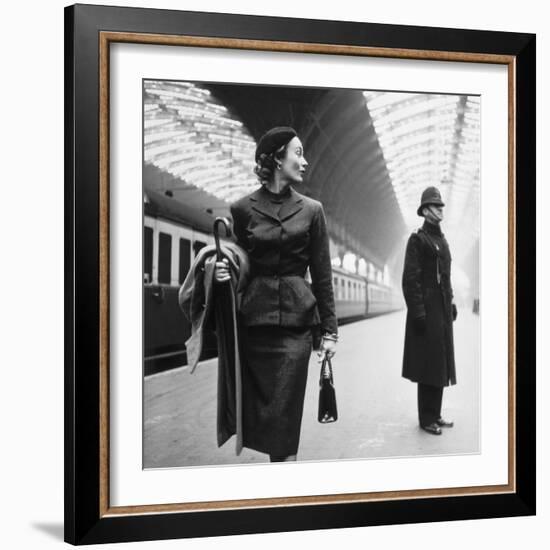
88, 518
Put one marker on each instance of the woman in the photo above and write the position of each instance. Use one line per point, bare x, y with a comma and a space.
284, 234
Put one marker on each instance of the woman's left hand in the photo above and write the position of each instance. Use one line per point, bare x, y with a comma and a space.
328, 347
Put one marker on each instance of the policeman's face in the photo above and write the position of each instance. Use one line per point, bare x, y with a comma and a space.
293, 166
433, 213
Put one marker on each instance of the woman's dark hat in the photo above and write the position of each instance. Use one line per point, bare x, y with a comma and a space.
274, 139
431, 195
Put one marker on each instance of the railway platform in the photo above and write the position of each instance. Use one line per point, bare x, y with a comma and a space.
376, 406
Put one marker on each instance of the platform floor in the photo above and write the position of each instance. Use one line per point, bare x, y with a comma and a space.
376, 406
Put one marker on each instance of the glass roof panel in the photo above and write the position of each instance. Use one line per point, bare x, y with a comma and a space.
195, 138
432, 139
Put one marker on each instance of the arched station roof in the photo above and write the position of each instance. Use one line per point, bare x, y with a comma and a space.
433, 140
346, 170
370, 154
191, 136
204, 135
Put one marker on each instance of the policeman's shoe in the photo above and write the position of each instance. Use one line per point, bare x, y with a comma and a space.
444, 423
432, 428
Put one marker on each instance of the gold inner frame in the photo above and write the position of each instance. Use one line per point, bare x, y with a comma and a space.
105, 39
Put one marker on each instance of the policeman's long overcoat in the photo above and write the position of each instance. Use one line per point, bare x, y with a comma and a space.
429, 353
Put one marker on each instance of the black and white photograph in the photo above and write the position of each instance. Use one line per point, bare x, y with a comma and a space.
300, 274
311, 274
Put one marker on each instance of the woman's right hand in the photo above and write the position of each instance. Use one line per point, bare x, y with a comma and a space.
221, 273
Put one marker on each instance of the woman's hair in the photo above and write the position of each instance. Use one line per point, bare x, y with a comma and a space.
266, 164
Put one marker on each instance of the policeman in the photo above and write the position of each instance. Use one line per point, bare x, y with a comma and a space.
429, 350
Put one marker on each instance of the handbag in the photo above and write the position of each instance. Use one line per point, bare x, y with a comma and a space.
328, 411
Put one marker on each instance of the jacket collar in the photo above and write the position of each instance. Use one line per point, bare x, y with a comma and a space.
277, 210
432, 229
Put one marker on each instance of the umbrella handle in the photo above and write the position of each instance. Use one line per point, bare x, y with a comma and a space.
225, 223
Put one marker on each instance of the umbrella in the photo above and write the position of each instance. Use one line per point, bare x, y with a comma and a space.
229, 416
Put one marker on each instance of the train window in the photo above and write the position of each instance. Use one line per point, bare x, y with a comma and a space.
185, 259
165, 257
147, 254
197, 245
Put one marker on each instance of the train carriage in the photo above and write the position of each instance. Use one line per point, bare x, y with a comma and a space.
173, 234
350, 294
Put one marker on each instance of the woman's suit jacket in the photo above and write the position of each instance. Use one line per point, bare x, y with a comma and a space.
284, 235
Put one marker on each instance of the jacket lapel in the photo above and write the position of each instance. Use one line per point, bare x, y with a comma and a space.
263, 205
277, 211
291, 206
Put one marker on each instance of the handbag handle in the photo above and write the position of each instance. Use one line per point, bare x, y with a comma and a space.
326, 368
327, 411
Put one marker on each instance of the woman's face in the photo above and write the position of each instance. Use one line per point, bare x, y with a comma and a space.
294, 164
